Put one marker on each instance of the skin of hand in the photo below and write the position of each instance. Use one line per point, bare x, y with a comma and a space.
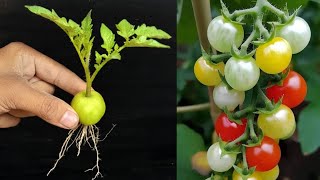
27, 80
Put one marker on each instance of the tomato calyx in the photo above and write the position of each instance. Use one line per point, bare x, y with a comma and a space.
241, 54
244, 171
231, 147
269, 105
290, 20
226, 14
216, 58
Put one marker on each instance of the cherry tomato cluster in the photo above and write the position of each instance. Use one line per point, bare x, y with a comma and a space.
249, 135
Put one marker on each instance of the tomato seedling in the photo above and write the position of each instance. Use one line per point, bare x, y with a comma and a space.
89, 104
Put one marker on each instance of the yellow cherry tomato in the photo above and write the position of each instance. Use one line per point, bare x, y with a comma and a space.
274, 56
207, 72
271, 174
280, 124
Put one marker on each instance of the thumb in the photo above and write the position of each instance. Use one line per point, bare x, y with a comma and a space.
46, 106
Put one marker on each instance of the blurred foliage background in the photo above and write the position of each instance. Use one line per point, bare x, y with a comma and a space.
194, 129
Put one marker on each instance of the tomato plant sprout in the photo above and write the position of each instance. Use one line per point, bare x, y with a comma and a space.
89, 104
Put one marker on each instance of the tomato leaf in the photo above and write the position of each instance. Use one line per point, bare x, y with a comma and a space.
70, 27
142, 41
308, 128
108, 38
188, 143
151, 32
125, 29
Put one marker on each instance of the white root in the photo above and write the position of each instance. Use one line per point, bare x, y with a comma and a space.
83, 136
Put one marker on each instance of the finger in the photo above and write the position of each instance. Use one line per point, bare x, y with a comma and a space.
51, 71
7, 120
44, 105
42, 86
20, 113
39, 85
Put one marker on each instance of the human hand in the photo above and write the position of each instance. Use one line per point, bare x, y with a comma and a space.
27, 80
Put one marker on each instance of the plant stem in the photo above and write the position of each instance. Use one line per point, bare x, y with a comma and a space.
266, 100
243, 112
253, 135
244, 159
260, 27
202, 14
245, 45
233, 143
243, 12
216, 58
85, 65
276, 11
193, 108
104, 62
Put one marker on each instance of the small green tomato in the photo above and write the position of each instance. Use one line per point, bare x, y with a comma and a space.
90, 109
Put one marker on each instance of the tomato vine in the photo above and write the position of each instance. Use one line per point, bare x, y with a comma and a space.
259, 68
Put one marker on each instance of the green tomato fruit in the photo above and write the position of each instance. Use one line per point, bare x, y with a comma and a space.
89, 109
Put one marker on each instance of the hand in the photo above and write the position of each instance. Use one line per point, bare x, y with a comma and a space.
27, 80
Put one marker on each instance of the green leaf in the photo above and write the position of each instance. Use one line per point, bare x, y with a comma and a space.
108, 38
142, 41
70, 27
151, 32
125, 29
308, 128
86, 26
317, 1
98, 57
188, 143
309, 122
116, 55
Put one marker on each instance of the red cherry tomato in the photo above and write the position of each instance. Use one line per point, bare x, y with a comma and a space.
265, 156
293, 90
228, 130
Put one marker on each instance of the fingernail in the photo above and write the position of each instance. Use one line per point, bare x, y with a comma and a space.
69, 119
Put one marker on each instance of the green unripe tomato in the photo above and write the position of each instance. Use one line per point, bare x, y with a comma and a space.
89, 109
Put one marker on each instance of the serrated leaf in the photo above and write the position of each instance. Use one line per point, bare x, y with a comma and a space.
151, 32
87, 46
86, 26
188, 143
108, 38
70, 27
115, 55
98, 57
142, 41
125, 29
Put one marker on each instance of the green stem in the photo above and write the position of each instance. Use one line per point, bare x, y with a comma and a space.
244, 158
104, 62
260, 27
276, 11
216, 58
245, 45
193, 108
233, 143
85, 65
243, 112
242, 12
265, 99
253, 135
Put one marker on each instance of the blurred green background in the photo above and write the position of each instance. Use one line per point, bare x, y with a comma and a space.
300, 154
